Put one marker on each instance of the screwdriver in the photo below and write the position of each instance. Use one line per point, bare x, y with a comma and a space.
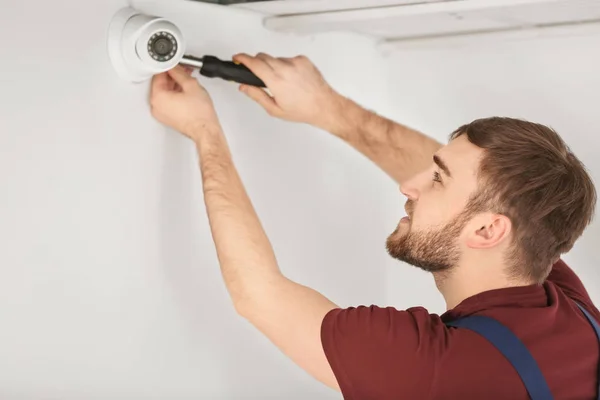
212, 67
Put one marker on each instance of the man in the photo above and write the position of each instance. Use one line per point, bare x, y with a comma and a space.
488, 215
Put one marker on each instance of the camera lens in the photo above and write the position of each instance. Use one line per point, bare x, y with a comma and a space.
162, 46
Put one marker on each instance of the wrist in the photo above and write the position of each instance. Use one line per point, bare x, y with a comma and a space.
211, 143
197, 129
337, 115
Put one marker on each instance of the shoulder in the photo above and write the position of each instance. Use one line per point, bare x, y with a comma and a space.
565, 279
382, 321
375, 351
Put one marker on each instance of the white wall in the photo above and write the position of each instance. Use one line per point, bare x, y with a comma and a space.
551, 81
110, 287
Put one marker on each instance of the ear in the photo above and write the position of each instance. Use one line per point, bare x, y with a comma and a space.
488, 230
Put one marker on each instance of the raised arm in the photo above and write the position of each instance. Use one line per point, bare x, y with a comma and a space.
300, 94
287, 313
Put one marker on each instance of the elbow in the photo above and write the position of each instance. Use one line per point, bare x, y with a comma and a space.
241, 307
252, 303
253, 298
242, 303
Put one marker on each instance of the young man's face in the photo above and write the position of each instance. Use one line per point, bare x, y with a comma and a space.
429, 237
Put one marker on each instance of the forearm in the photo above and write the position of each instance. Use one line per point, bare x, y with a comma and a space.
398, 150
245, 254
288, 313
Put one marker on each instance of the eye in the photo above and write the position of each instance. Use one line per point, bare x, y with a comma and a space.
437, 177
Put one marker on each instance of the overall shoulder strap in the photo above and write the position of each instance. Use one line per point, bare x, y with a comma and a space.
596, 327
514, 351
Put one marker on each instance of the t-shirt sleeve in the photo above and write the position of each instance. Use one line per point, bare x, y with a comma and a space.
568, 281
383, 353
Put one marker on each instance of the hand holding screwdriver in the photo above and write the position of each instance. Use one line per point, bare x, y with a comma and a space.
299, 92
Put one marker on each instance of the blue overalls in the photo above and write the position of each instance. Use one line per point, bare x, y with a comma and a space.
516, 352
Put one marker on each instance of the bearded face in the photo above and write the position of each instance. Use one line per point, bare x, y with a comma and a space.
431, 249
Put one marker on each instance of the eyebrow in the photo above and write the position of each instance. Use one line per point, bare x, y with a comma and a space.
442, 165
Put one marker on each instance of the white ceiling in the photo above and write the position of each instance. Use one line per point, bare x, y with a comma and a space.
281, 7
398, 20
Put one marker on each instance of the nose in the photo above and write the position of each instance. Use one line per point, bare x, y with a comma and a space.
410, 189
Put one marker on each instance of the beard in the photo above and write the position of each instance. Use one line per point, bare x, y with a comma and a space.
434, 250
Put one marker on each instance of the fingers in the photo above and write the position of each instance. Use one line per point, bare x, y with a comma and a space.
257, 65
262, 98
164, 81
161, 88
160, 82
182, 76
287, 60
271, 61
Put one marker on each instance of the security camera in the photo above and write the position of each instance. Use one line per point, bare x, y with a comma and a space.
140, 46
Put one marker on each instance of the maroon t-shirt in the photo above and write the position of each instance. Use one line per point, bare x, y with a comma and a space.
385, 353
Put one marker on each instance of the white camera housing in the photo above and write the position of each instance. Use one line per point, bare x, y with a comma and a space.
140, 46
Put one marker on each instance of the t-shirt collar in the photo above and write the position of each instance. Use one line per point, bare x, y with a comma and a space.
518, 296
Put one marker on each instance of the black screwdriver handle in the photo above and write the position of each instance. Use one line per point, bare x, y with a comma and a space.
212, 67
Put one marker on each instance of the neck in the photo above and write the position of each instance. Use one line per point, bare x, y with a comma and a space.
463, 282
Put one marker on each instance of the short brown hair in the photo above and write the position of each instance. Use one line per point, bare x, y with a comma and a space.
530, 175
